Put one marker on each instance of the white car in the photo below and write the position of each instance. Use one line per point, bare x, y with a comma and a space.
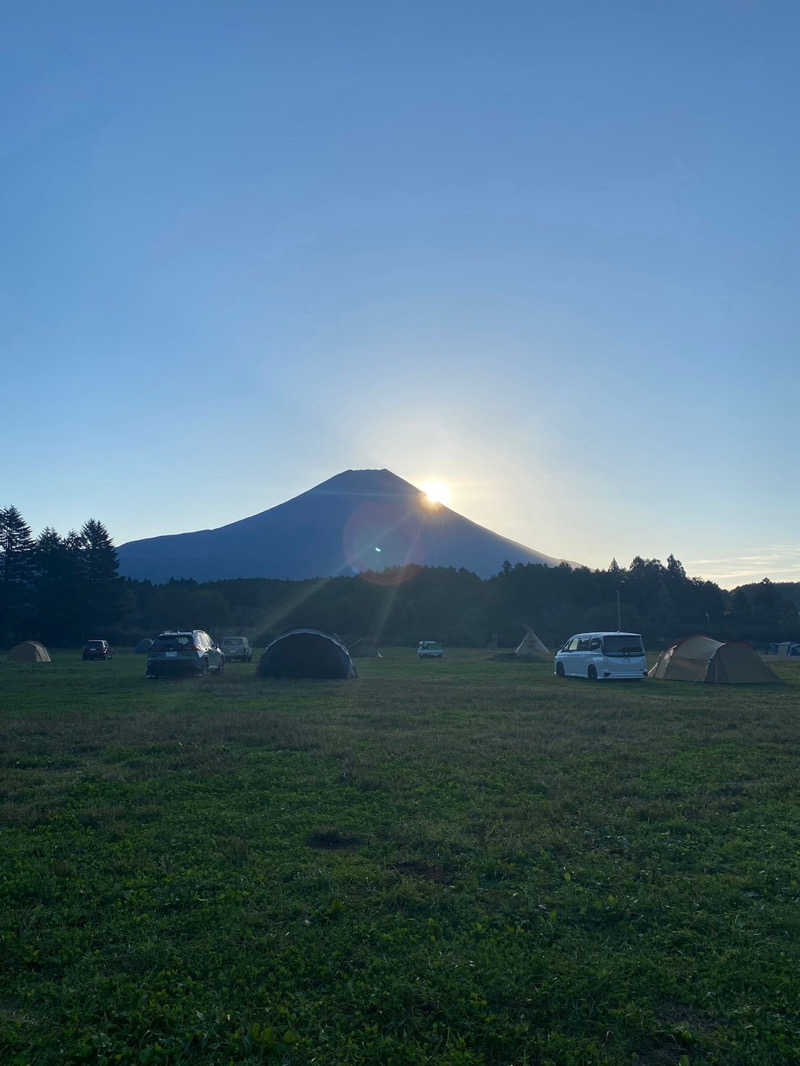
430, 649
602, 657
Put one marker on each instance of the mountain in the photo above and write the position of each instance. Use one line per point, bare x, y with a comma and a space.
358, 520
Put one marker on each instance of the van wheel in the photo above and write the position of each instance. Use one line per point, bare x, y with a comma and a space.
592, 673
559, 669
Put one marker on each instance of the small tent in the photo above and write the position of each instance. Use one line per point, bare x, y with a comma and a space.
702, 658
530, 647
30, 651
144, 646
306, 653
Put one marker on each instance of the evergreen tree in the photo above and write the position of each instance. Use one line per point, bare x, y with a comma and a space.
98, 576
16, 547
100, 563
16, 575
57, 586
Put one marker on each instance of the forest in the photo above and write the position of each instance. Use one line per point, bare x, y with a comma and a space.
64, 590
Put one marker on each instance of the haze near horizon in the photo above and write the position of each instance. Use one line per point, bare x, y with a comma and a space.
543, 256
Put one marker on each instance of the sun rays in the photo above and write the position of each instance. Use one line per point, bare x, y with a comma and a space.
436, 493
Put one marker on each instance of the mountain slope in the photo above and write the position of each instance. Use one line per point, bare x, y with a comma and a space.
357, 520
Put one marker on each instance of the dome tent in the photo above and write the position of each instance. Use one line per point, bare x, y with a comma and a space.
306, 653
702, 658
30, 651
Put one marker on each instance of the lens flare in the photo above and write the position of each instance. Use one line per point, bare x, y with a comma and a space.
436, 492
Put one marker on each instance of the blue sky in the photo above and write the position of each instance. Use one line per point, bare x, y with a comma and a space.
544, 252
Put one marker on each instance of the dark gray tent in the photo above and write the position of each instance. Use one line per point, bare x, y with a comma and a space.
306, 653
143, 646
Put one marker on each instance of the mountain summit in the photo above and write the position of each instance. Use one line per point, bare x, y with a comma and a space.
357, 520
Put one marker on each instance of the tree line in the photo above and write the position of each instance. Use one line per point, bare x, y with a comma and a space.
65, 590
54, 588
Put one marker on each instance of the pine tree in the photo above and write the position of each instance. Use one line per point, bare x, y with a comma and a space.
98, 575
16, 547
57, 587
16, 574
100, 562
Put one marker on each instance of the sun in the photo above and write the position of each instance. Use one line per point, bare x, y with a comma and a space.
436, 492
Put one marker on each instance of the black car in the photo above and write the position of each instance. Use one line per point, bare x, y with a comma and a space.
97, 649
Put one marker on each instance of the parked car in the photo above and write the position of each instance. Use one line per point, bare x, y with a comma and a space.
179, 652
602, 656
430, 649
97, 649
237, 648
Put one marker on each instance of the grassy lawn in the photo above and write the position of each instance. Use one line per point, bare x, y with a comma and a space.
455, 862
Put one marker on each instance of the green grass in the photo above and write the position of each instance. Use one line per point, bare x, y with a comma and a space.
461, 862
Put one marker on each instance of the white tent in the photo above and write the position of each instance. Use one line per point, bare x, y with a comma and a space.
530, 647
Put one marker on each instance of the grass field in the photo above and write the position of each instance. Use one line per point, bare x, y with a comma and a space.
454, 863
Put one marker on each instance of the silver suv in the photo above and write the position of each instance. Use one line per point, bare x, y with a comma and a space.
237, 648
178, 652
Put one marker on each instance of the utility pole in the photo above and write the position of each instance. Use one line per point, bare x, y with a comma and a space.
619, 613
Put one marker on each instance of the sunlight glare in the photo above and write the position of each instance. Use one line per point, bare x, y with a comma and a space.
436, 492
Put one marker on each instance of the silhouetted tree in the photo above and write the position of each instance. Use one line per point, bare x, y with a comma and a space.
98, 575
16, 574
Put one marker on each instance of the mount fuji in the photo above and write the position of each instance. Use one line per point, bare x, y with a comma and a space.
358, 520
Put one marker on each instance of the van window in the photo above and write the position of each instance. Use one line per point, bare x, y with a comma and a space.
584, 645
594, 644
572, 645
623, 644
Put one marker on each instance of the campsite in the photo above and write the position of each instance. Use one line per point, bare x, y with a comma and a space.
466, 861
399, 579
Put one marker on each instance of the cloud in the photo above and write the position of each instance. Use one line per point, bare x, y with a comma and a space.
778, 562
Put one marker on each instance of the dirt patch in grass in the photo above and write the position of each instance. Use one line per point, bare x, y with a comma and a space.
333, 840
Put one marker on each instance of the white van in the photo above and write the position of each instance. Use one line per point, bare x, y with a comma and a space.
430, 649
602, 656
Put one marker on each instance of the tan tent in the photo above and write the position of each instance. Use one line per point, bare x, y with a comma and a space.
701, 658
30, 651
530, 647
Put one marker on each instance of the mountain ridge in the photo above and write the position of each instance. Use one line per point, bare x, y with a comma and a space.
356, 520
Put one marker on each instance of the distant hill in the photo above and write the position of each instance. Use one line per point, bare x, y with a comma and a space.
358, 520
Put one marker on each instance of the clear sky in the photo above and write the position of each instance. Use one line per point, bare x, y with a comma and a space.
546, 253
